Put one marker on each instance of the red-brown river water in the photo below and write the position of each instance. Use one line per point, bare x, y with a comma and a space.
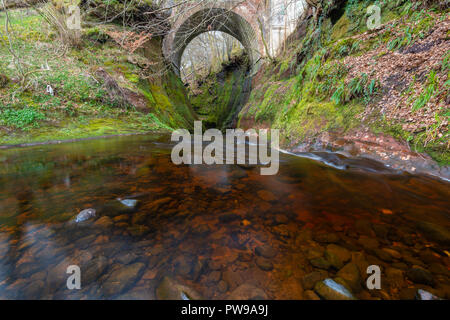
214, 232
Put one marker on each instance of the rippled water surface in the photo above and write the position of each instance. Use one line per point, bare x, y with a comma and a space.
213, 231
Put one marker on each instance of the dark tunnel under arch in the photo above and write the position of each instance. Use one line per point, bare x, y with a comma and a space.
212, 19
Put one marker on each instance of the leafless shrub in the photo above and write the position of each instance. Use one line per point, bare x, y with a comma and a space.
57, 17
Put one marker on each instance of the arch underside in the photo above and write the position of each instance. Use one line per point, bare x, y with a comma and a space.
214, 19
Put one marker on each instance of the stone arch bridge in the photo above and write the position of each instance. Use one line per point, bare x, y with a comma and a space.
249, 21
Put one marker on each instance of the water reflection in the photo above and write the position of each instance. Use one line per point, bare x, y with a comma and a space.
213, 231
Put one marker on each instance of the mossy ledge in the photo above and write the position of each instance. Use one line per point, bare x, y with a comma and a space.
322, 96
83, 81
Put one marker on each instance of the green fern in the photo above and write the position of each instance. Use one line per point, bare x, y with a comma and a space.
339, 94
428, 93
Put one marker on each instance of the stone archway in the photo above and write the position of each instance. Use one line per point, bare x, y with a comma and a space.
201, 20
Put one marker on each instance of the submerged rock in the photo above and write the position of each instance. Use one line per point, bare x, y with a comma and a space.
342, 253
266, 195
425, 295
214, 277
122, 278
331, 290
368, 243
311, 295
320, 263
395, 277
326, 237
434, 232
104, 222
312, 278
420, 275
337, 255
130, 203
222, 286
94, 269
169, 289
393, 253
264, 264
84, 215
265, 251
247, 292
351, 276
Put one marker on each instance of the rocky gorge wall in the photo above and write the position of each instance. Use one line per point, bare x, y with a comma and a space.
379, 93
218, 98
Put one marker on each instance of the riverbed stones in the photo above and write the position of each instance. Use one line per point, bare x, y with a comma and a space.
57, 275
122, 278
183, 265
303, 236
329, 289
364, 227
245, 256
139, 217
337, 255
383, 255
214, 277
266, 195
264, 264
418, 274
234, 278
381, 230
159, 203
121, 218
150, 274
214, 264
25, 269
170, 289
310, 295
406, 236
281, 232
247, 291
126, 257
428, 256
314, 252
222, 286
312, 278
137, 294
395, 277
393, 253
228, 217
129, 203
408, 293
41, 275
410, 259
193, 270
281, 219
434, 232
351, 275
368, 243
265, 251
85, 214
104, 222
439, 269
320, 263
33, 290
326, 237
425, 295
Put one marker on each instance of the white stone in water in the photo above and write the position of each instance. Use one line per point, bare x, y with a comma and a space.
337, 287
425, 295
131, 203
184, 296
85, 215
